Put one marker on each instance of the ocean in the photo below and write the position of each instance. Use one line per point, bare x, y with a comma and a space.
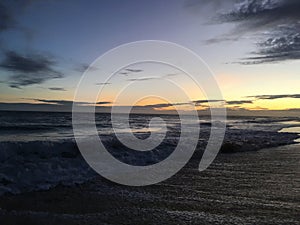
244, 184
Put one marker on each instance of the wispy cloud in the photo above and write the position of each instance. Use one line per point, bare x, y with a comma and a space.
103, 83
200, 102
171, 75
239, 102
232, 102
130, 71
164, 105
124, 73
236, 111
103, 103
57, 89
153, 106
68, 102
52, 105
154, 78
134, 70
143, 79
204, 101
29, 69
57, 102
271, 97
81, 67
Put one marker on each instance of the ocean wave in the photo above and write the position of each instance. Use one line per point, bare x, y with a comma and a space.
40, 165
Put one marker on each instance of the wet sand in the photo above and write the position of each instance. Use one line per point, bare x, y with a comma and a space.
261, 187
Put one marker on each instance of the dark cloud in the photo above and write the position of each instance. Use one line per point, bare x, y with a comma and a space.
234, 102
51, 105
283, 45
271, 97
204, 101
163, 105
127, 72
57, 102
261, 14
134, 70
103, 83
124, 73
107, 109
224, 38
69, 102
56, 89
143, 79
82, 67
171, 74
275, 22
9, 10
103, 103
153, 78
25, 64
29, 69
195, 102
238, 102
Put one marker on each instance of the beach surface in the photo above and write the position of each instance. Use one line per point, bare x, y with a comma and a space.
258, 187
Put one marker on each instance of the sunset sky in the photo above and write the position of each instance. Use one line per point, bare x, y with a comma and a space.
252, 47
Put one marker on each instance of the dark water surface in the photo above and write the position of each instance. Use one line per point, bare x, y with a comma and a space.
44, 180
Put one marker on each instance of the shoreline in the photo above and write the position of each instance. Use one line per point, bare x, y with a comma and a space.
102, 202
41, 165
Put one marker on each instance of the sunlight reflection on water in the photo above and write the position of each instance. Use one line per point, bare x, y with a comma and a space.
292, 130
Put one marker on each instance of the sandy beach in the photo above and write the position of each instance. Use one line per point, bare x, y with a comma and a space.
242, 188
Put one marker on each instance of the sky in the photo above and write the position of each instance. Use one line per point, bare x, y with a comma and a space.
252, 48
